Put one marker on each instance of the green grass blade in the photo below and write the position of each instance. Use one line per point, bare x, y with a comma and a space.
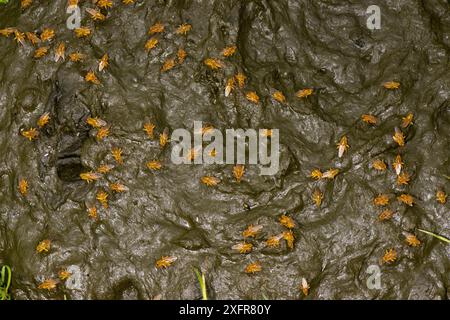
202, 282
435, 235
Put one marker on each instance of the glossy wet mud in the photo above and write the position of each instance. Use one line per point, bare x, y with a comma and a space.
283, 48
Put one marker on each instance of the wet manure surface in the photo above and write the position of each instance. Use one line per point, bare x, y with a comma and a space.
321, 226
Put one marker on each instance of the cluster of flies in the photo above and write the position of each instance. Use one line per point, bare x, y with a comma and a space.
403, 178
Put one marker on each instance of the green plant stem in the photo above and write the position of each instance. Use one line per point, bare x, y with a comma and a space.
202, 282
435, 235
5, 283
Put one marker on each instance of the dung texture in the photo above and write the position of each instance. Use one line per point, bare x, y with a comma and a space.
282, 45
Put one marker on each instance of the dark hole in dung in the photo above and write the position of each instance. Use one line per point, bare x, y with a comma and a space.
126, 290
69, 168
69, 165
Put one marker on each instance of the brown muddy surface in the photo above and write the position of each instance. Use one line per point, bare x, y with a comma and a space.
281, 45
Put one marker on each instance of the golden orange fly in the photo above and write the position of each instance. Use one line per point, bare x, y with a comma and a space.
342, 146
43, 246
229, 86
48, 284
184, 28
251, 231
103, 63
289, 237
23, 187
92, 212
210, 181
412, 240
286, 221
243, 247
304, 287
381, 200
252, 96
304, 93
389, 256
102, 197
181, 55
240, 78
149, 128
102, 133
391, 85
316, 174
92, 78
279, 96
154, 165
238, 172
47, 34
229, 51
43, 120
95, 14
30, 134
253, 268
370, 119
330, 174
156, 28
90, 176
165, 262
406, 199
40, 52
105, 168
117, 155
399, 137
104, 4
379, 165
60, 52
25, 4
168, 65
33, 38
398, 164
317, 197
96, 122
76, 57
118, 187
407, 120
213, 63
82, 32
403, 178
64, 274
441, 197
274, 241
164, 138
151, 44
6, 32
19, 37
385, 215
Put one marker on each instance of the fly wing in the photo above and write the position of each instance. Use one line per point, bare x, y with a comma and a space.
92, 12
228, 89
